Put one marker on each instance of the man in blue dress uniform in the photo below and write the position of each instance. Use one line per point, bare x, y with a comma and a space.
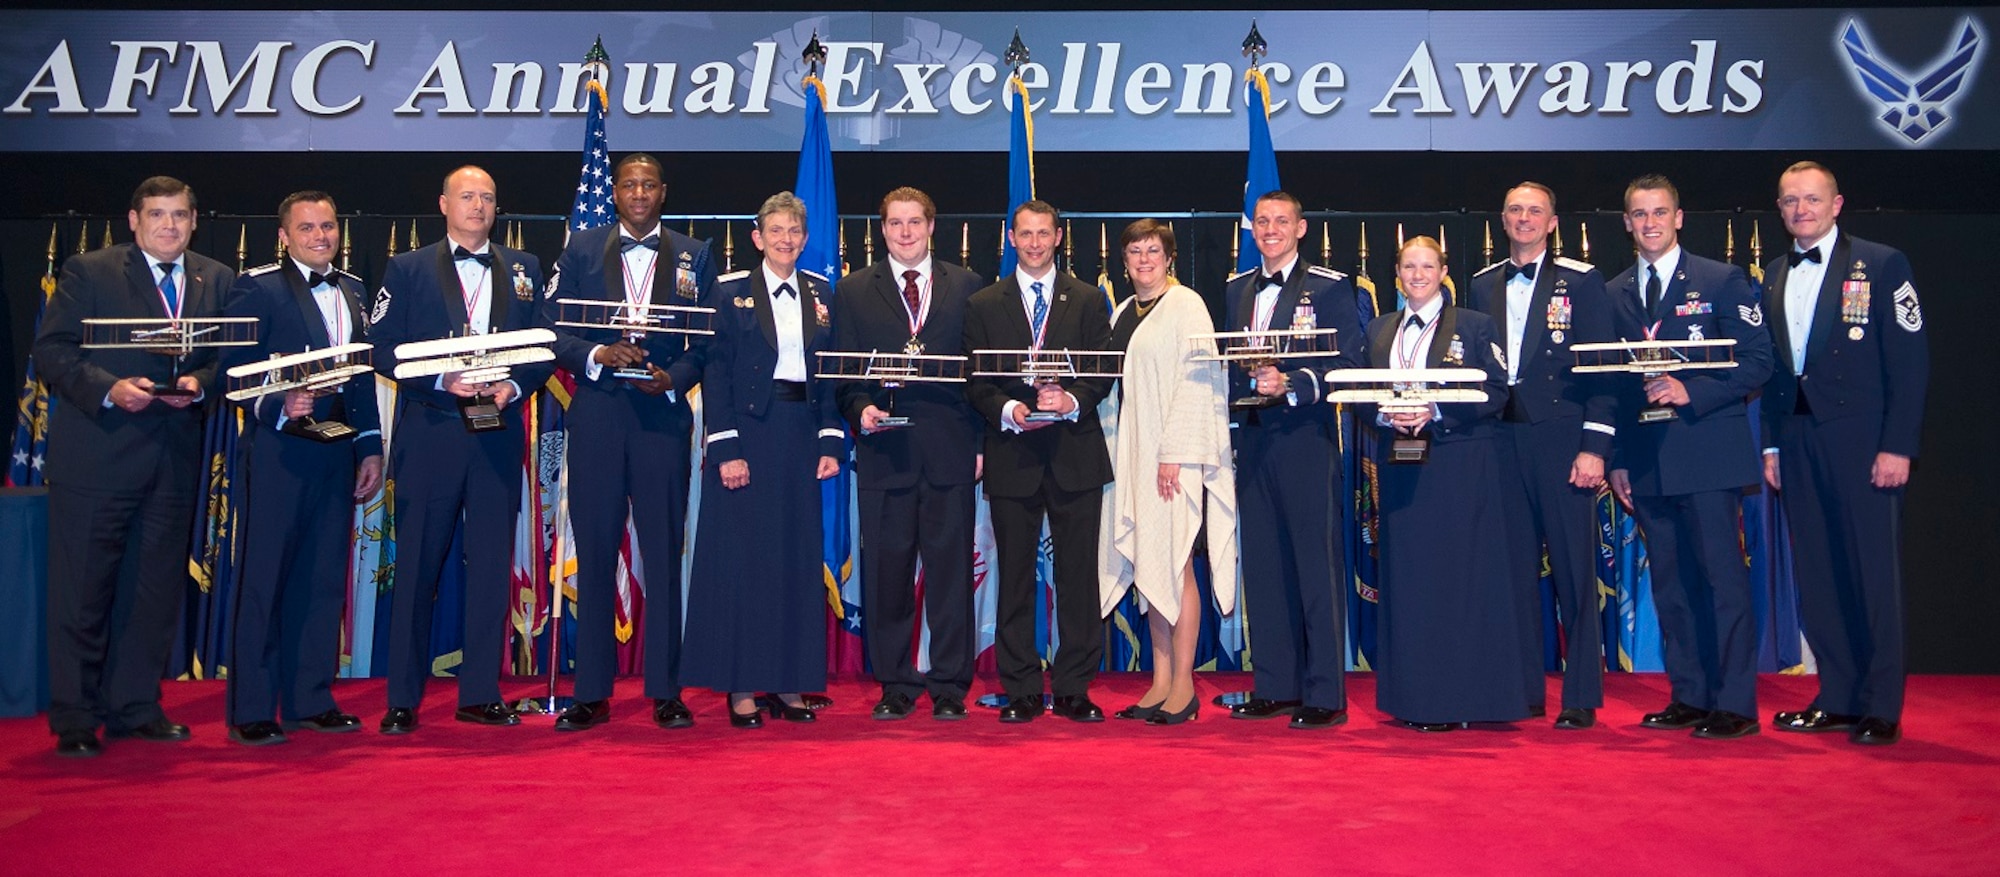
1842, 413
462, 285
915, 485
301, 490
1289, 478
1556, 433
629, 438
1683, 476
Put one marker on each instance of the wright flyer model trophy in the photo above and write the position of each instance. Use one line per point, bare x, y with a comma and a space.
892, 370
1652, 359
1038, 368
175, 338
1254, 350
477, 359
317, 372
633, 321
1406, 391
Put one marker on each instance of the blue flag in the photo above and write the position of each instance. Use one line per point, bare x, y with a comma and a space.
1263, 174
1020, 166
31, 420
815, 188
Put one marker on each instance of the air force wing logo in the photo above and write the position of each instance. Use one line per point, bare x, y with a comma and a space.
1912, 106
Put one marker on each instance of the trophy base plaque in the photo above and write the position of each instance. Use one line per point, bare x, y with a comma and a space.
633, 374
323, 431
1657, 415
480, 414
169, 390
1256, 401
1043, 417
1409, 449
896, 421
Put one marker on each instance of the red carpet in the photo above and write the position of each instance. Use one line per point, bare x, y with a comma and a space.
918, 796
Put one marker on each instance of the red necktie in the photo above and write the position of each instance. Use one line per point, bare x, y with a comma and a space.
914, 301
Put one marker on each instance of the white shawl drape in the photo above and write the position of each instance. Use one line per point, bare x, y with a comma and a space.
1175, 410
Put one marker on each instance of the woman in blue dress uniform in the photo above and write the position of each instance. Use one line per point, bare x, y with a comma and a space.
1447, 654
756, 611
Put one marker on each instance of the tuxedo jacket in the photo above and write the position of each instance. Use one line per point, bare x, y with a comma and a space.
1869, 360
289, 321
1313, 297
421, 300
1709, 445
1072, 451
1464, 339
738, 385
1568, 307
592, 267
940, 446
95, 446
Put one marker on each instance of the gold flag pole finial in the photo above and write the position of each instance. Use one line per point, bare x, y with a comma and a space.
83, 237
1756, 243
1363, 249
242, 244
107, 234
346, 246
1236, 243
965, 243
868, 241
1325, 242
1558, 242
1103, 251
413, 233
1069, 247
392, 239
1444, 252
1486, 248
52, 243
1399, 237
842, 225
1586, 240
728, 247
1729, 241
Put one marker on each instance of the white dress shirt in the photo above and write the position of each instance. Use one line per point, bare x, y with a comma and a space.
1520, 294
1802, 284
791, 364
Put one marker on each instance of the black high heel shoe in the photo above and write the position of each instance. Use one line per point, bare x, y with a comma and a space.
1160, 715
782, 710
1139, 711
752, 719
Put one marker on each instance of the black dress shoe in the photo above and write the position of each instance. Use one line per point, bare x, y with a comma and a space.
754, 719
332, 721
1021, 709
159, 730
800, 714
893, 705
399, 720
1313, 718
1138, 711
1078, 708
670, 713
1814, 721
1433, 727
1676, 716
584, 715
1575, 719
488, 714
257, 733
1537, 710
1876, 732
78, 744
1260, 708
947, 708
1186, 714
1725, 725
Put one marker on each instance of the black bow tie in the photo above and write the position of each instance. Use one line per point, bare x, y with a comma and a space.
784, 289
1794, 257
1513, 270
460, 254
652, 242
314, 280
1277, 279
1416, 322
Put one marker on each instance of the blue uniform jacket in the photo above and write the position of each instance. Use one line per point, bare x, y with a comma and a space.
1866, 355
1708, 446
1314, 297
744, 352
592, 268
1568, 307
288, 321
420, 300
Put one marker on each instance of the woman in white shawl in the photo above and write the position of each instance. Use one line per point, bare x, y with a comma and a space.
1168, 431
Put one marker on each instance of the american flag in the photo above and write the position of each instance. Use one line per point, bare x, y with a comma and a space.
593, 207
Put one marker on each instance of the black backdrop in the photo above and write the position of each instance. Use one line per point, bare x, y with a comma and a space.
1930, 204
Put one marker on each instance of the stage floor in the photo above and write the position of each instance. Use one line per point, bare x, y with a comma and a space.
920, 796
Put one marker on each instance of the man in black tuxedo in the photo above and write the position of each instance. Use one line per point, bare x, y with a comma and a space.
301, 490
915, 484
1034, 467
123, 468
462, 285
629, 439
